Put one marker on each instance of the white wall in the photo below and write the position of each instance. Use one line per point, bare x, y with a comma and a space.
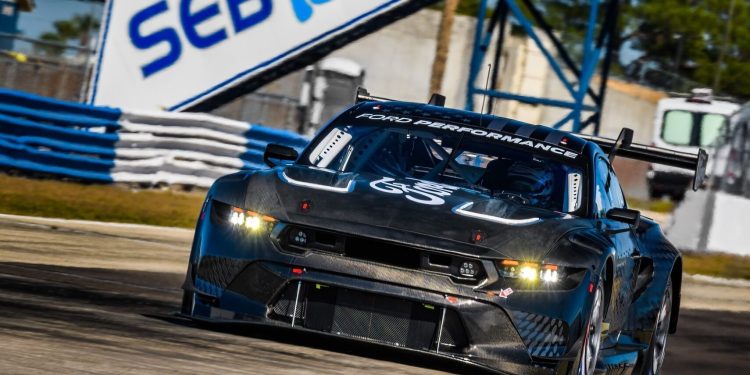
398, 62
398, 58
711, 221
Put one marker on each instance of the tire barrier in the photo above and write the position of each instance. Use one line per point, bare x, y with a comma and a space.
43, 135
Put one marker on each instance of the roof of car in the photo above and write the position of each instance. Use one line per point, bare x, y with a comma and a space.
490, 122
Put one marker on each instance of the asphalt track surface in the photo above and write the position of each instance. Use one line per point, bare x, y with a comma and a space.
83, 298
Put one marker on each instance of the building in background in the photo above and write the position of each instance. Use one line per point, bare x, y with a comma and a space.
9, 14
47, 47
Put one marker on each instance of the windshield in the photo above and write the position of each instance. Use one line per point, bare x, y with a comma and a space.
684, 128
433, 155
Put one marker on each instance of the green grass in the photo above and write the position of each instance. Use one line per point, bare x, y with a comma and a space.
71, 200
660, 205
717, 264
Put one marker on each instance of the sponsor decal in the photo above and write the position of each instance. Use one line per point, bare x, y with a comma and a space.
507, 138
505, 293
172, 54
418, 191
243, 17
303, 11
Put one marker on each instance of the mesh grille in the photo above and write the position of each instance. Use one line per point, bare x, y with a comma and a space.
284, 307
543, 336
360, 315
219, 270
453, 338
368, 316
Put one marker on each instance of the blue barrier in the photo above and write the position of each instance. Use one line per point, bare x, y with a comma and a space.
42, 142
19, 151
60, 119
23, 127
32, 101
102, 144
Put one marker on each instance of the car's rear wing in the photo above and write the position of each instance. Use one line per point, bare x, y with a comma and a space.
362, 95
695, 162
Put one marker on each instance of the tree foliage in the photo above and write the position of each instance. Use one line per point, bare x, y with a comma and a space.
465, 7
687, 37
683, 38
79, 28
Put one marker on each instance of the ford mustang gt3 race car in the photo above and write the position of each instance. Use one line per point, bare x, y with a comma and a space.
478, 238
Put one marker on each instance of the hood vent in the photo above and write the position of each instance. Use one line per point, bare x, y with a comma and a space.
329, 148
318, 179
574, 192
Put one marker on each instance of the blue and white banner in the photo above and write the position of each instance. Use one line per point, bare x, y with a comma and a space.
71, 140
172, 54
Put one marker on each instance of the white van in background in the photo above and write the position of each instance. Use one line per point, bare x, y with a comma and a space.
686, 123
732, 157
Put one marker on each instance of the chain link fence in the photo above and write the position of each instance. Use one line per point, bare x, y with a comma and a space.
46, 68
62, 71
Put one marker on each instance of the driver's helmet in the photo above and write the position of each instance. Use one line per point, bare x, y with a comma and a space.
532, 180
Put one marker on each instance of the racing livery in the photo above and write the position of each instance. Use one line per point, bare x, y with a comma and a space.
473, 237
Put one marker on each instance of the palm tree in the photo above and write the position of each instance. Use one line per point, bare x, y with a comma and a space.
78, 28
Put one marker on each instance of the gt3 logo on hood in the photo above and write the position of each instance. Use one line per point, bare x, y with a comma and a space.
423, 192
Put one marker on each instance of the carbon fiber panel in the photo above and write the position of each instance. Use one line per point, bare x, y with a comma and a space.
366, 316
543, 336
257, 283
219, 270
372, 317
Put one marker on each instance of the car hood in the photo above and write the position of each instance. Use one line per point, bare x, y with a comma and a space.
410, 211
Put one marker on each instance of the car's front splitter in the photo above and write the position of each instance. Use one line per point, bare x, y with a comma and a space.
454, 326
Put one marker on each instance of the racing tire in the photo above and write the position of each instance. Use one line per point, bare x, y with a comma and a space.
187, 303
593, 335
657, 348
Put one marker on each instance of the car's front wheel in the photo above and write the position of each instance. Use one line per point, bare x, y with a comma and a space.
187, 303
593, 334
657, 349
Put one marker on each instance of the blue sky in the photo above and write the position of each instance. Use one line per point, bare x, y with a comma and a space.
35, 23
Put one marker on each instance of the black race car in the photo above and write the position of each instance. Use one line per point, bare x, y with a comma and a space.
502, 244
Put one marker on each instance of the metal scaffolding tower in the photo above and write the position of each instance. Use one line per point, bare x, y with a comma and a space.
596, 53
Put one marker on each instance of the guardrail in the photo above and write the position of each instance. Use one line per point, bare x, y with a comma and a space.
40, 134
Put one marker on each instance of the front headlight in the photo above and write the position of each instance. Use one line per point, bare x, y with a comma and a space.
529, 271
250, 220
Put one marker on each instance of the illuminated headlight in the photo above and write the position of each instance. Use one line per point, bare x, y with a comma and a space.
527, 272
530, 272
549, 274
250, 221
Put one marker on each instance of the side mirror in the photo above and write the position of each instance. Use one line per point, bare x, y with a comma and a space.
625, 215
274, 151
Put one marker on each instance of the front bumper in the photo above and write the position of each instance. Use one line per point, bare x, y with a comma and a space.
236, 278
459, 327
